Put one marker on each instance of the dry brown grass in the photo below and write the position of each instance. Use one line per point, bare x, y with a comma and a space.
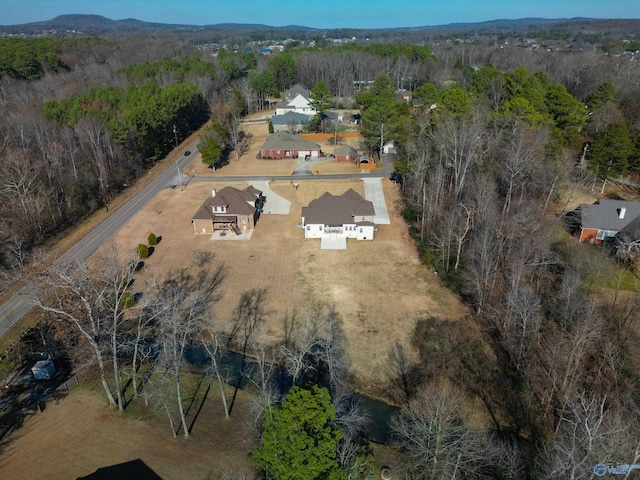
378, 287
77, 435
249, 165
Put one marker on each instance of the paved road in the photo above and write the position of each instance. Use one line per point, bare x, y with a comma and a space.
18, 305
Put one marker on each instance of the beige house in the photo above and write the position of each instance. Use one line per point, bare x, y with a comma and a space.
229, 209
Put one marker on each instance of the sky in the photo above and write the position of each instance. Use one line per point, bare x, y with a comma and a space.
318, 14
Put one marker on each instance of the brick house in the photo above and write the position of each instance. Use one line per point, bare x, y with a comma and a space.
345, 153
287, 145
229, 209
604, 219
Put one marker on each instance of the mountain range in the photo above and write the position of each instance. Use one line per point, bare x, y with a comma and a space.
102, 26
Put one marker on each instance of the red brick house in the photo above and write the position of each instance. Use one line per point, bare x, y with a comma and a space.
345, 153
606, 218
287, 145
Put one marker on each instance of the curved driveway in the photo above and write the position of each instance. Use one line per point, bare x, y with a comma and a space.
21, 302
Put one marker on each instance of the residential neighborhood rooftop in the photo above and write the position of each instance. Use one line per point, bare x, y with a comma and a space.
611, 215
288, 141
331, 209
237, 202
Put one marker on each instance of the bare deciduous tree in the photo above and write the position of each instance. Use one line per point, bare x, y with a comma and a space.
436, 441
183, 308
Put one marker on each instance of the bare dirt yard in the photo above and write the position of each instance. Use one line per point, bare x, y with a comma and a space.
378, 287
79, 434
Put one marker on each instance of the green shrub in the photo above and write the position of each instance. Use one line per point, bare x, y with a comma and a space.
127, 300
152, 240
142, 251
270, 127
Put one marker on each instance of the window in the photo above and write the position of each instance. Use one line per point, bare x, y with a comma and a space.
244, 220
215, 209
360, 229
605, 234
308, 228
319, 227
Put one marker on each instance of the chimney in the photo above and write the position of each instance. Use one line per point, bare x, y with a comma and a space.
621, 212
213, 192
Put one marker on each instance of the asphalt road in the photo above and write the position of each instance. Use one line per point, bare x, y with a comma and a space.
20, 303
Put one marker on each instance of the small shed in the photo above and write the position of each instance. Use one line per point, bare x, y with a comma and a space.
43, 370
389, 147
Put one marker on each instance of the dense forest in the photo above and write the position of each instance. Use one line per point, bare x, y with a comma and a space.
491, 148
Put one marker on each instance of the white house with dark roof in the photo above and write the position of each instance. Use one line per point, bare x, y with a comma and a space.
296, 99
287, 145
339, 217
604, 219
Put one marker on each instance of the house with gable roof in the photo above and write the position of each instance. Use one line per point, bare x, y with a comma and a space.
229, 209
339, 216
296, 99
605, 219
345, 153
291, 122
287, 145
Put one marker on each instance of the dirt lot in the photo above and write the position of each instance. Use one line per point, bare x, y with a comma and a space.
77, 435
378, 287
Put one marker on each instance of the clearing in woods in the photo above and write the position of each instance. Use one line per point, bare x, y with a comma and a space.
378, 287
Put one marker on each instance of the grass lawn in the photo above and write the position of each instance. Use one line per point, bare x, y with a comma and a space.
79, 434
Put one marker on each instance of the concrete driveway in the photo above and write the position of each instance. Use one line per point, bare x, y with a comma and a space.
374, 193
275, 205
305, 167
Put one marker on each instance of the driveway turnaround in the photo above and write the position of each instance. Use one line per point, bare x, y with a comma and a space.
373, 192
275, 205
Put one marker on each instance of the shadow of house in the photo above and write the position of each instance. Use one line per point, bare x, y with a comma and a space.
133, 470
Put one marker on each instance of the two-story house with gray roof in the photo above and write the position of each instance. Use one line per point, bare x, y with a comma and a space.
228, 209
604, 219
296, 99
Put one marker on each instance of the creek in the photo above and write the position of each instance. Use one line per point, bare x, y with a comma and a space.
234, 368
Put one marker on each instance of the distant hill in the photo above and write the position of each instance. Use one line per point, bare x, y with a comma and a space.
99, 25
65, 25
